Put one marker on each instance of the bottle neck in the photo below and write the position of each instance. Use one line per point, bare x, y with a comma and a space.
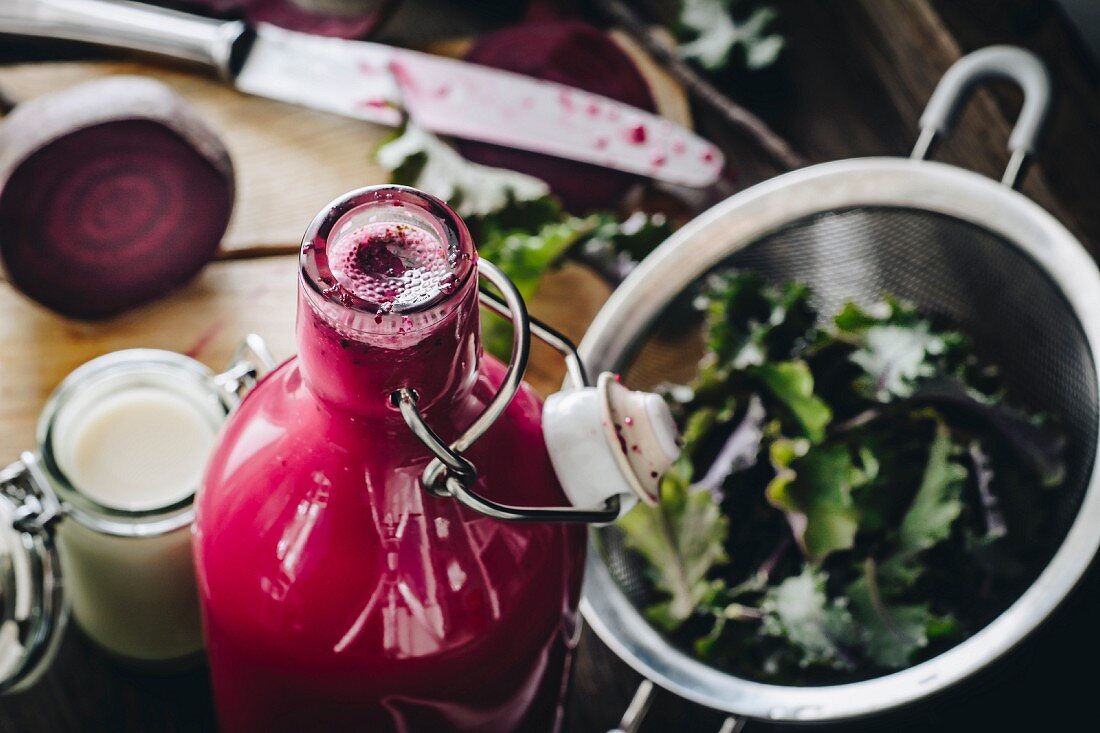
359, 372
388, 299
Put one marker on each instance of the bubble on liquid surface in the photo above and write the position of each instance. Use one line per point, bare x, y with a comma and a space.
396, 266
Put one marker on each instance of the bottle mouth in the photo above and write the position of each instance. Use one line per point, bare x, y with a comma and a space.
391, 253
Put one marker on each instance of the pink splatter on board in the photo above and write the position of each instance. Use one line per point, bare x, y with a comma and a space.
204, 340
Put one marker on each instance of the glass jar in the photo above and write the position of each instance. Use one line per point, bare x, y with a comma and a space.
98, 518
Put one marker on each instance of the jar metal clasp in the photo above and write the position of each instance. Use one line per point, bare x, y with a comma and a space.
250, 360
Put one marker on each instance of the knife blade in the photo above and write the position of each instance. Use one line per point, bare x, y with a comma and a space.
375, 82
349, 78
478, 103
382, 84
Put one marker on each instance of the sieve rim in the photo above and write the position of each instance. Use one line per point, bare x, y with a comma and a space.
732, 225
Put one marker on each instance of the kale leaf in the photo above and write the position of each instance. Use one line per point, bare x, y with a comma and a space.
792, 384
890, 632
615, 247
416, 157
938, 501
799, 612
895, 348
750, 321
711, 35
737, 453
682, 539
813, 487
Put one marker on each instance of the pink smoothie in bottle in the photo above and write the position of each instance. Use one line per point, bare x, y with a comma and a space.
337, 594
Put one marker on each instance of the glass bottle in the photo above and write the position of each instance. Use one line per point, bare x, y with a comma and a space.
336, 593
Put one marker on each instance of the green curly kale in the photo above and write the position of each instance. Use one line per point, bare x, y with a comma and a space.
902, 496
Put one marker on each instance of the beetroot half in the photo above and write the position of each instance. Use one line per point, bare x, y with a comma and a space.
568, 52
112, 193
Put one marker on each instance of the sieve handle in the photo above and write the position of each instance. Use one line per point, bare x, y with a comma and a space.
635, 712
639, 706
994, 62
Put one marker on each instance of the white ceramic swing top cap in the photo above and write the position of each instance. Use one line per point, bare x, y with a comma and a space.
645, 433
607, 441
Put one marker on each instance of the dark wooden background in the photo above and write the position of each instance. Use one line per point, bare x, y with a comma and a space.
857, 75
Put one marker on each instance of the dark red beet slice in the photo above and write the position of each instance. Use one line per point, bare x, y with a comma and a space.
569, 52
112, 193
356, 19
338, 18
212, 6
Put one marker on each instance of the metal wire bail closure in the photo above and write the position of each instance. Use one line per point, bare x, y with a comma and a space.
250, 360
33, 608
450, 474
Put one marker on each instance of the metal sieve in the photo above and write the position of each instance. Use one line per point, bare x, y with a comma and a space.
957, 244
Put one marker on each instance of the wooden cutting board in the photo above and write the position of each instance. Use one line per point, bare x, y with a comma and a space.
290, 162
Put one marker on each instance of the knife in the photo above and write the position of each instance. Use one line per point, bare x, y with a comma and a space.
383, 84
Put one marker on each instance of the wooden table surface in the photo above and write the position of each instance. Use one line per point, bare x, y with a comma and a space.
857, 76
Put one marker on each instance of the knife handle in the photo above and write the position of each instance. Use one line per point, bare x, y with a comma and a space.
219, 44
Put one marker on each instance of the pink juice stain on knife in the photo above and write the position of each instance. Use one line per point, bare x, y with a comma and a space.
453, 98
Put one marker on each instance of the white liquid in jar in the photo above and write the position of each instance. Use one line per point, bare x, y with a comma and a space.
137, 449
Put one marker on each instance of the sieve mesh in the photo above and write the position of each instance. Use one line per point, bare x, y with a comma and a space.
952, 269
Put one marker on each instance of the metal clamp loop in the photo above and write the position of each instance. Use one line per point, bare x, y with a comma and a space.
245, 366
451, 461
35, 604
38, 508
450, 474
